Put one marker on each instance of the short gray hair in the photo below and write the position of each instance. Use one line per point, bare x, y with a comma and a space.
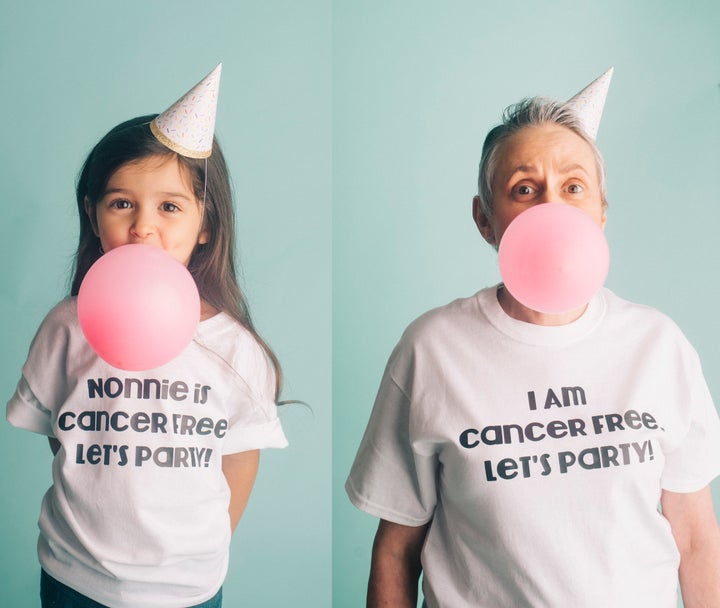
530, 112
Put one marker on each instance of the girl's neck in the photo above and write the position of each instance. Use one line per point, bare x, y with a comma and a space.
207, 310
519, 311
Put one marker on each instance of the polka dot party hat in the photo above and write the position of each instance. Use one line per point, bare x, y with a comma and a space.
588, 104
187, 127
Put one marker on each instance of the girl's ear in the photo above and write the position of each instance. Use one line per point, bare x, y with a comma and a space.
203, 237
90, 210
483, 222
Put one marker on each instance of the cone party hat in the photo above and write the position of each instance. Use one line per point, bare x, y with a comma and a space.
588, 104
187, 127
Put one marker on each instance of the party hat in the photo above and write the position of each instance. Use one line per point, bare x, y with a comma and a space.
588, 104
187, 127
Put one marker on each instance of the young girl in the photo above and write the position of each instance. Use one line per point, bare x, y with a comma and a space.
153, 469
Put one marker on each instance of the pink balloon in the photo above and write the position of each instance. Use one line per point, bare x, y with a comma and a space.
138, 307
553, 258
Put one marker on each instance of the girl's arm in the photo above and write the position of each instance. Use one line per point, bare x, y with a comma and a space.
395, 567
696, 532
240, 471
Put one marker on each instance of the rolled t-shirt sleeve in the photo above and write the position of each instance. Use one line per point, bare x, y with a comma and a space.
254, 423
26, 412
258, 429
45, 383
390, 478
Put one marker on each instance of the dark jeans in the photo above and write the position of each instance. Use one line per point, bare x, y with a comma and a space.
54, 594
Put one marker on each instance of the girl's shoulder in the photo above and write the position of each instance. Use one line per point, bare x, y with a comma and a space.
223, 337
61, 321
222, 330
63, 313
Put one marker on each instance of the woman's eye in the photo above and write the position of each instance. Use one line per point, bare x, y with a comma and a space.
575, 188
524, 190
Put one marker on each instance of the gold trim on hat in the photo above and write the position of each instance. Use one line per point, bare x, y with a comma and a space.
176, 147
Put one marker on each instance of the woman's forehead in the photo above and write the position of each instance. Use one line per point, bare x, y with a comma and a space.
539, 146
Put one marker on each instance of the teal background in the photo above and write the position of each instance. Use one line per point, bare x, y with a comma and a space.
69, 71
353, 131
416, 86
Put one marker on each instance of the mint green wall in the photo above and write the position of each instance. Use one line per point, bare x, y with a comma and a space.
71, 70
416, 86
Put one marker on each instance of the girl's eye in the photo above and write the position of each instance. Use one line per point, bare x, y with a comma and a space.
120, 204
575, 188
170, 207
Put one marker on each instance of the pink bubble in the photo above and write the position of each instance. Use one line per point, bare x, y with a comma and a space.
553, 258
138, 307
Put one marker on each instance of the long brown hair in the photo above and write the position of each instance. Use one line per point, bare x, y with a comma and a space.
212, 265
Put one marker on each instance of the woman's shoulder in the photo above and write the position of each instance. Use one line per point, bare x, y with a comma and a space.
444, 320
634, 312
643, 322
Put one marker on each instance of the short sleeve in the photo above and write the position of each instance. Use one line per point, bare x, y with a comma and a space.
253, 422
44, 384
26, 412
695, 461
389, 478
255, 429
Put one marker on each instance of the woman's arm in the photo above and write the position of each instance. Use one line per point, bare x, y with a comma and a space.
240, 471
697, 535
395, 567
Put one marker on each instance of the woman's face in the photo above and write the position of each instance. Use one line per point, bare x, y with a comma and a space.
541, 164
150, 201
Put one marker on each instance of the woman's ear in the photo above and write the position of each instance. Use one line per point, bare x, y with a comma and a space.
483, 222
90, 210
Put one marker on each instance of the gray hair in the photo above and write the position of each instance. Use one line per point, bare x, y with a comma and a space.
530, 112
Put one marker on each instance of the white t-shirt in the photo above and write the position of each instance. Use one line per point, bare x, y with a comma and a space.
539, 453
138, 512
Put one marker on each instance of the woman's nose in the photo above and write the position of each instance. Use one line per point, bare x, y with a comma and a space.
547, 197
550, 194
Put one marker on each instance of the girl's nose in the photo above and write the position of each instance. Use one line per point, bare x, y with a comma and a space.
143, 226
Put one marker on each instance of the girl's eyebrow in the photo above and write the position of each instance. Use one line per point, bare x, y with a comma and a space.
175, 195
127, 192
115, 191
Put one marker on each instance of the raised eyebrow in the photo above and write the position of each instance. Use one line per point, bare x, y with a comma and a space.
572, 168
522, 169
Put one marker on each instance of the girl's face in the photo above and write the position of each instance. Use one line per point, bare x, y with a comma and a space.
151, 202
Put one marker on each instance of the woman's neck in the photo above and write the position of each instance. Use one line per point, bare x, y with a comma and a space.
519, 311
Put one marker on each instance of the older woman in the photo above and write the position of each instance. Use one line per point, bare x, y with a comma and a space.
518, 458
